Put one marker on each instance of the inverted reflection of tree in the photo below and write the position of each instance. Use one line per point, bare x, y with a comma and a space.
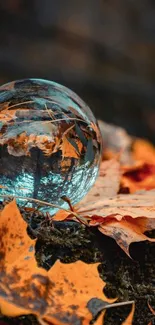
70, 172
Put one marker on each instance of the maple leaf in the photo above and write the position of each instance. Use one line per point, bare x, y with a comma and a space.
63, 295
129, 319
123, 217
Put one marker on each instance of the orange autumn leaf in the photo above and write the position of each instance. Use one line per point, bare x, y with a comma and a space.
70, 150
125, 231
65, 293
13, 234
143, 151
82, 289
123, 217
116, 141
140, 176
129, 319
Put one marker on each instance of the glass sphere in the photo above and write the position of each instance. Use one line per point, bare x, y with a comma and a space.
50, 144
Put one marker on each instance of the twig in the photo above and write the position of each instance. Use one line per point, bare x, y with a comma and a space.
36, 201
119, 304
80, 218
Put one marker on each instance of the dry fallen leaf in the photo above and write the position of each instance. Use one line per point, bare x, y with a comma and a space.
65, 294
140, 176
129, 319
123, 217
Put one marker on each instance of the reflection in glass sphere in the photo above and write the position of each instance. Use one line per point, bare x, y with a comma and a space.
50, 144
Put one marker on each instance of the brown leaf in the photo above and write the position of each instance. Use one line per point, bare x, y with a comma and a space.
14, 238
100, 319
124, 217
129, 319
63, 295
126, 231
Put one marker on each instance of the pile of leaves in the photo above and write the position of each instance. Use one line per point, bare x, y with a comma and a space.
71, 291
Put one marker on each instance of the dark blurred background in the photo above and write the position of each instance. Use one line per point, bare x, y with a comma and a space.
102, 49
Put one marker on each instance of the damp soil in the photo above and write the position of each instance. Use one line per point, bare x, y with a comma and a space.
127, 279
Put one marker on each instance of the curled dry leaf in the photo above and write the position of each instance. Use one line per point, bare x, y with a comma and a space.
14, 239
66, 294
123, 217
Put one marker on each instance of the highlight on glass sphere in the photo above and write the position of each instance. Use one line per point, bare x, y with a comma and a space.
50, 143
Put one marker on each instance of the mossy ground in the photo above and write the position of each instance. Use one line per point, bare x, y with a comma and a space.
127, 279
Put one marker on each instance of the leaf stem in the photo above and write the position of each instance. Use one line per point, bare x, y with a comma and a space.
119, 304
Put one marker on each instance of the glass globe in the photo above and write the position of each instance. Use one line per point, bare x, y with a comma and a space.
50, 144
